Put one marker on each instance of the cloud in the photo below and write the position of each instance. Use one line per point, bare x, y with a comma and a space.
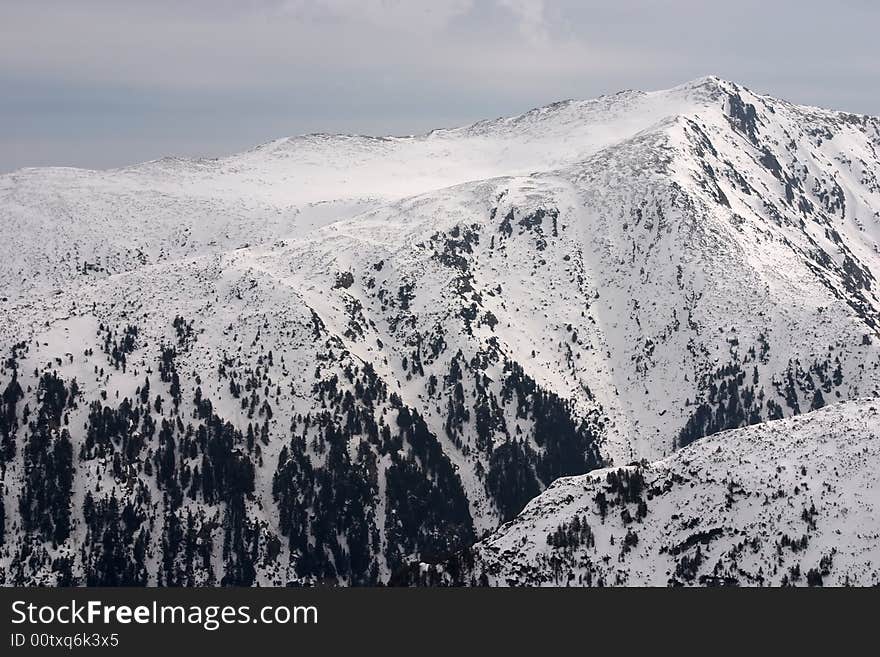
248, 45
531, 18
222, 72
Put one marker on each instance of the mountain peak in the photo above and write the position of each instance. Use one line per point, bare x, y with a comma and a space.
323, 358
707, 87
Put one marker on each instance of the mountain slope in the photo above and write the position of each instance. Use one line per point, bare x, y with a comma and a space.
423, 333
790, 502
65, 226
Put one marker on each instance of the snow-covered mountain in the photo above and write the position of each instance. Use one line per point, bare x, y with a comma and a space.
791, 502
330, 356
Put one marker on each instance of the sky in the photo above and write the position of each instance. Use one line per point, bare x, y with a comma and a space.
104, 83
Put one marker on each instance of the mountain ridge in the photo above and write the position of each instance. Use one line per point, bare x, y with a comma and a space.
602, 529
262, 365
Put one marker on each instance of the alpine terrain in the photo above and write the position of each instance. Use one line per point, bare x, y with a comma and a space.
560, 348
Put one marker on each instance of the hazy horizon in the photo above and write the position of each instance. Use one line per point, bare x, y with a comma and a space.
105, 84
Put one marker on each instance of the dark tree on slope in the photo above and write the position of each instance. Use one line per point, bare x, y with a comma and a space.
563, 445
730, 404
116, 544
48, 465
8, 418
427, 511
511, 479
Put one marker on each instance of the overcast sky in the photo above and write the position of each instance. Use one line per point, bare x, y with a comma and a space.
101, 83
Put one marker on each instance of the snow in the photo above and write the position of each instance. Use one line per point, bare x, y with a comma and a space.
735, 495
676, 250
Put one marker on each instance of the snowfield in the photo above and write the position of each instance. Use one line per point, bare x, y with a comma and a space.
330, 358
788, 502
